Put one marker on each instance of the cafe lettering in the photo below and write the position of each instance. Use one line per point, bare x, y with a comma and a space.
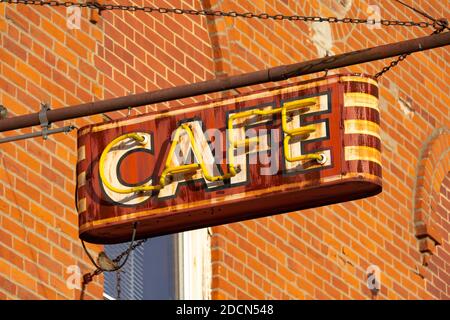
268, 152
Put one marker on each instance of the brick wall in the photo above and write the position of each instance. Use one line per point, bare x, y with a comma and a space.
324, 253
321, 253
439, 264
43, 61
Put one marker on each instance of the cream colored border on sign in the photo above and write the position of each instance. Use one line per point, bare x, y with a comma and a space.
357, 126
230, 197
259, 95
362, 153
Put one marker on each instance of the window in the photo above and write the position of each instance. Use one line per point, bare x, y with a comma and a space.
170, 267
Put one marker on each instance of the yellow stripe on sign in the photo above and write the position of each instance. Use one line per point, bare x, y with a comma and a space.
358, 99
81, 206
82, 179
81, 154
362, 153
359, 79
356, 126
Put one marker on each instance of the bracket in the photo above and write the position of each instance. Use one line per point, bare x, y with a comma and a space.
44, 120
45, 125
3, 112
96, 11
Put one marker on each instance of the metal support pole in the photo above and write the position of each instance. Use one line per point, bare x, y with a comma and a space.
253, 78
37, 134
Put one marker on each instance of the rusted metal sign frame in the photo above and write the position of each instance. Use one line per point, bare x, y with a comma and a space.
346, 118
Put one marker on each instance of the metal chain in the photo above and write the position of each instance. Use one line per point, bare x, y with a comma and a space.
216, 13
439, 28
438, 23
118, 288
117, 260
129, 250
88, 277
391, 65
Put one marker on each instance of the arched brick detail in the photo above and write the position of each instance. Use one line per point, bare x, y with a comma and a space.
218, 35
438, 283
430, 228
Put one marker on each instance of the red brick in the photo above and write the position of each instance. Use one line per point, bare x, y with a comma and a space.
16, 50
5, 238
52, 176
16, 77
25, 294
291, 256
75, 46
11, 257
50, 264
27, 190
7, 285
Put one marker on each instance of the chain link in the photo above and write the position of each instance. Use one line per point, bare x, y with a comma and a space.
118, 288
129, 250
439, 28
88, 277
391, 65
117, 260
215, 13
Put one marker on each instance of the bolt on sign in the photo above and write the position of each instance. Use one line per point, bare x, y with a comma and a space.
288, 148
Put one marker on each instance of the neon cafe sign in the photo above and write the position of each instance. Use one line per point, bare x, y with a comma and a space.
268, 152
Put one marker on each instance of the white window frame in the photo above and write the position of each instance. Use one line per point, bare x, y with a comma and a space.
194, 265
